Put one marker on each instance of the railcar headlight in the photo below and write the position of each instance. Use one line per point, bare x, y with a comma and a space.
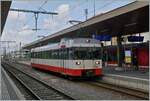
88, 41
97, 62
78, 63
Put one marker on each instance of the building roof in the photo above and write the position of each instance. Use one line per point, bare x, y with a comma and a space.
5, 5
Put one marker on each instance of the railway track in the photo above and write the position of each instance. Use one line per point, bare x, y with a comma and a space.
36, 87
132, 92
123, 90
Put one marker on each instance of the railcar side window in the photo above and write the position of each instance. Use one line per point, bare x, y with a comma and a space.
70, 53
52, 54
65, 53
32, 55
35, 55
43, 54
39, 54
46, 55
61, 54
56, 54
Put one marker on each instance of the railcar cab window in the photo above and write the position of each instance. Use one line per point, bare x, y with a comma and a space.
86, 53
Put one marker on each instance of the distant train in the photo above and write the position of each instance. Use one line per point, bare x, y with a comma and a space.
78, 57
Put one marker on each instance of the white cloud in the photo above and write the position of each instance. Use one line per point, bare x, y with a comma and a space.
63, 10
25, 33
49, 23
25, 30
59, 21
25, 27
25, 36
14, 31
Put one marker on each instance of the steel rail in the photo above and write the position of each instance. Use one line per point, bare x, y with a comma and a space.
41, 82
22, 83
132, 92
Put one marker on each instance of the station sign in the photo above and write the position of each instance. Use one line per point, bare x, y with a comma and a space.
102, 37
135, 38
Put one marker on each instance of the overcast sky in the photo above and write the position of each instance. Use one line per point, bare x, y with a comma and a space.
18, 25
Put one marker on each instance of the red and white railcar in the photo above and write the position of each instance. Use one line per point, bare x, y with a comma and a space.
73, 57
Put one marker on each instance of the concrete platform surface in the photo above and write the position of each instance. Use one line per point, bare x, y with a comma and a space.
129, 73
9, 90
130, 79
4, 91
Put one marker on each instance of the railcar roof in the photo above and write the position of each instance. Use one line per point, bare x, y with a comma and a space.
76, 42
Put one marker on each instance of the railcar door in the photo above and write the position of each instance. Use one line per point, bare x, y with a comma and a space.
62, 55
65, 60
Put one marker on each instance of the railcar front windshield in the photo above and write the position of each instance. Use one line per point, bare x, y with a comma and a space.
86, 53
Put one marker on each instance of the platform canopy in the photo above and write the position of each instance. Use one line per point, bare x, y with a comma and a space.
129, 19
5, 5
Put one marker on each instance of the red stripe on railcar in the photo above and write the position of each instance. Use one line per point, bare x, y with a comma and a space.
71, 72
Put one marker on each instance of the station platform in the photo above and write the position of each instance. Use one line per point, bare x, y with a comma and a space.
9, 90
4, 91
133, 79
129, 73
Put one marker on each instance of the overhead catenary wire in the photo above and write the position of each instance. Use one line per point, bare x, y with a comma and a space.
101, 7
39, 8
17, 20
35, 13
81, 3
106, 5
73, 8
25, 23
76, 6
